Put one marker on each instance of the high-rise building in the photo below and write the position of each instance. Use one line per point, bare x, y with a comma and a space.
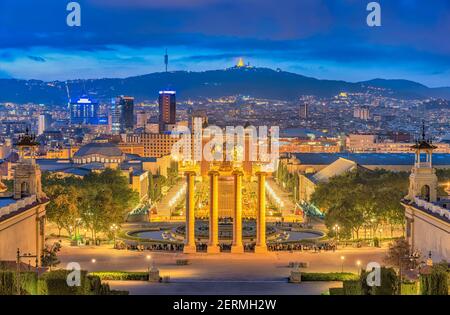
304, 110
167, 109
44, 123
84, 111
122, 114
141, 119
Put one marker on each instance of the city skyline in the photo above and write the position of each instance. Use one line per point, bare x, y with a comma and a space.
198, 36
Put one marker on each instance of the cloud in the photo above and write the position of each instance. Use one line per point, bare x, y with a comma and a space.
156, 3
4, 75
36, 58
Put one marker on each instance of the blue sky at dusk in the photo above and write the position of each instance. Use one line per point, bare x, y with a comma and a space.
326, 39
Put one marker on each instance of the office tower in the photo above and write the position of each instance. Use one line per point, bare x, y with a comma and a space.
167, 109
141, 119
122, 114
44, 123
84, 111
304, 111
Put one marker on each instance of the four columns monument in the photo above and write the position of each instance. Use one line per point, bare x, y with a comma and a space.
213, 243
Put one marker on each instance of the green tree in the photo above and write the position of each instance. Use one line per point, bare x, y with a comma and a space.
362, 199
49, 256
63, 208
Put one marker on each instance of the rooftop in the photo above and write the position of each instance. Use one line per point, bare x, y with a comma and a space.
336, 168
99, 148
368, 158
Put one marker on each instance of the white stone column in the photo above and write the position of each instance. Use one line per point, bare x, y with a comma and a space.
261, 246
213, 245
189, 241
237, 246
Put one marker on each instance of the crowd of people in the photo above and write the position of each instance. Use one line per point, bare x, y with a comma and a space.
171, 247
248, 247
301, 247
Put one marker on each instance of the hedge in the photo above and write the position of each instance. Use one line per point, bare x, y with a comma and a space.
389, 283
435, 283
336, 291
121, 275
352, 287
53, 283
409, 288
8, 282
331, 276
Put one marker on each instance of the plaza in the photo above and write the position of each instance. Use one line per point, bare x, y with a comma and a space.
223, 273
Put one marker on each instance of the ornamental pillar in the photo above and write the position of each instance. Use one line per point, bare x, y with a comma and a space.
261, 246
213, 244
237, 246
189, 241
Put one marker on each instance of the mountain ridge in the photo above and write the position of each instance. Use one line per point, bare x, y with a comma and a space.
257, 82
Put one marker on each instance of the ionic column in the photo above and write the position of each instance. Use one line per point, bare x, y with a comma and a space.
189, 241
261, 246
213, 245
237, 246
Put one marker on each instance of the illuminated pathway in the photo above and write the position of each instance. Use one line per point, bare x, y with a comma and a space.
283, 197
170, 200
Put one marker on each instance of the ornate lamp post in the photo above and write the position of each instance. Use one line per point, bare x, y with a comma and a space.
342, 265
18, 261
114, 228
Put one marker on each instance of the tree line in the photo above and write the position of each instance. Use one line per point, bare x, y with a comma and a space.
95, 202
362, 200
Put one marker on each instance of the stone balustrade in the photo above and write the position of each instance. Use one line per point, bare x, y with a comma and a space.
17, 204
434, 208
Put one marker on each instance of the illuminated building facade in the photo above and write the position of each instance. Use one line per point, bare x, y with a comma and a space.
84, 111
167, 109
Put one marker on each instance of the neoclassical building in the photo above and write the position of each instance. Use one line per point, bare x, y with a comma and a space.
427, 215
100, 151
22, 212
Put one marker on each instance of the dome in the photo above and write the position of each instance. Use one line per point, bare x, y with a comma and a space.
104, 152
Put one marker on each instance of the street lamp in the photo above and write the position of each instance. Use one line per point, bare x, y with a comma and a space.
358, 263
93, 260
342, 266
150, 266
114, 228
336, 233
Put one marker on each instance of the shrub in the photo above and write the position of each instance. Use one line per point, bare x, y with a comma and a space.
352, 287
331, 276
55, 283
336, 291
435, 283
389, 283
8, 282
120, 275
409, 288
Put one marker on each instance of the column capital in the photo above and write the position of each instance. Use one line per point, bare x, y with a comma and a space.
262, 173
189, 173
213, 172
238, 172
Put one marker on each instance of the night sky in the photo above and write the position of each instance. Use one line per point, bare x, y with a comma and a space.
319, 38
